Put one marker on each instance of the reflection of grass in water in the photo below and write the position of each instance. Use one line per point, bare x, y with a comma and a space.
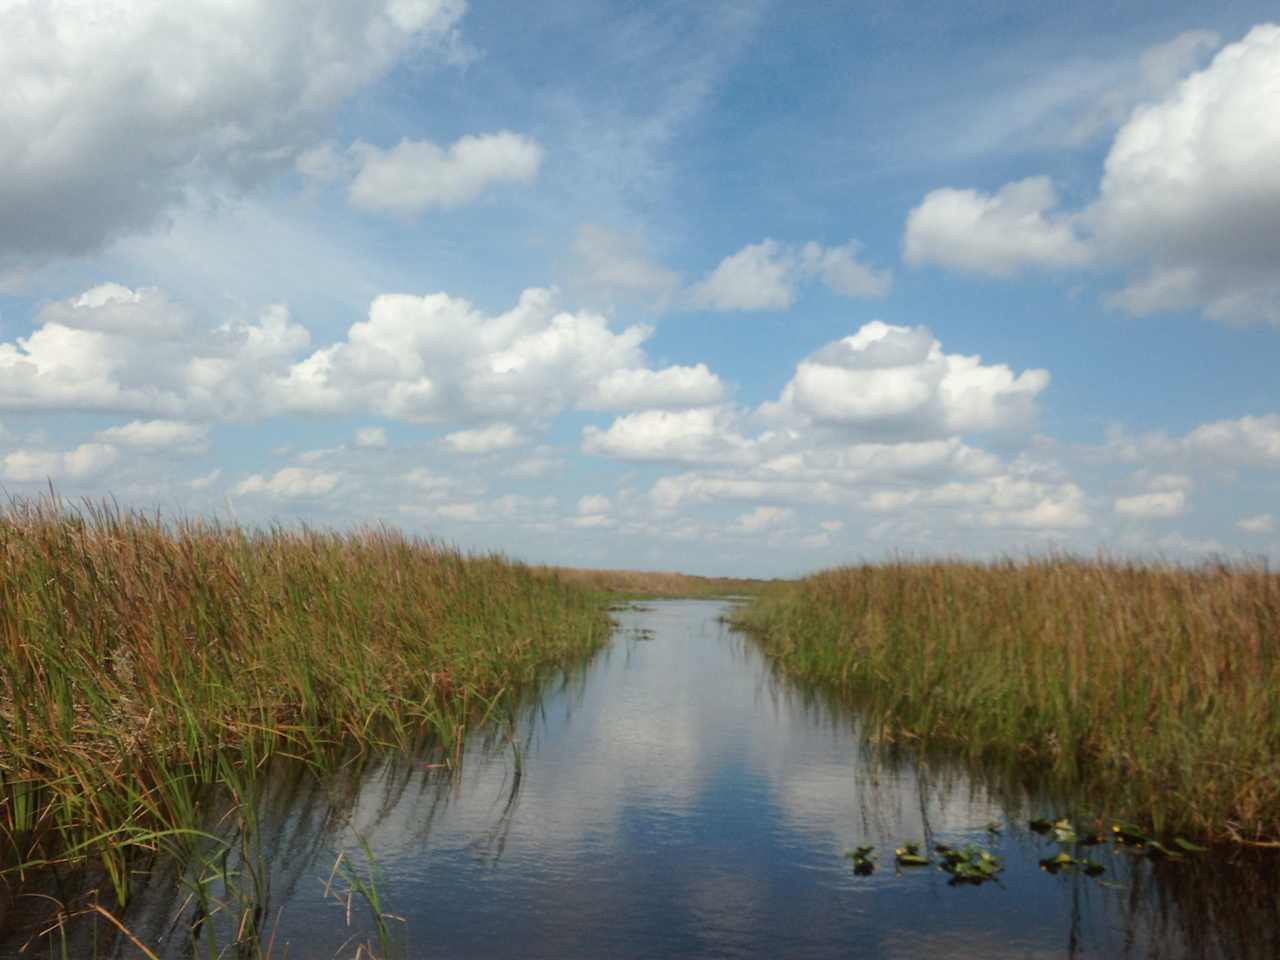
1155, 689
143, 663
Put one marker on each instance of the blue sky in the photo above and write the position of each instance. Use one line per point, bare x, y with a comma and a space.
733, 288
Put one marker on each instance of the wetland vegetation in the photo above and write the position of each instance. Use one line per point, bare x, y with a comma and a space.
155, 677
143, 661
1152, 691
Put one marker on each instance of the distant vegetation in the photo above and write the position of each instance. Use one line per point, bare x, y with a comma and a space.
142, 661
639, 583
1156, 689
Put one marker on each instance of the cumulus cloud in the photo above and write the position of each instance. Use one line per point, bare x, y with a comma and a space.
996, 234
1191, 190
117, 349
418, 175
765, 276
1258, 523
114, 111
762, 518
757, 277
842, 272
700, 435
1188, 204
41, 466
594, 512
436, 359
1244, 441
1169, 503
289, 483
594, 503
371, 438
675, 386
164, 435
496, 436
205, 481
898, 380
431, 359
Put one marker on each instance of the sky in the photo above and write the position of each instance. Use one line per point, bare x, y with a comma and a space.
750, 288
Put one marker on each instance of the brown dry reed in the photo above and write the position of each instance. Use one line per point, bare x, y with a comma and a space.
1155, 689
142, 660
655, 583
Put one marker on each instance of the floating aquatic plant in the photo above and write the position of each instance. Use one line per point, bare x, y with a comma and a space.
969, 864
864, 860
908, 855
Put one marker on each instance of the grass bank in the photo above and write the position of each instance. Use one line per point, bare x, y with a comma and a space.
142, 661
1154, 689
643, 584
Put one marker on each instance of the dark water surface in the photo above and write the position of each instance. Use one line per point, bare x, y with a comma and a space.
677, 799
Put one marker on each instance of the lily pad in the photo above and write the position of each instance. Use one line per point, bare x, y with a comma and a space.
908, 855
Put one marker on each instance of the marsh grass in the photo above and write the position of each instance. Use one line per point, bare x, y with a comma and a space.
637, 584
145, 662
1153, 690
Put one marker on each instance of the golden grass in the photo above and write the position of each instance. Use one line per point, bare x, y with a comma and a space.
141, 661
654, 583
1156, 688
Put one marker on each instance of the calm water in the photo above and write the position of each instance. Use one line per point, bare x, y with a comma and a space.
676, 799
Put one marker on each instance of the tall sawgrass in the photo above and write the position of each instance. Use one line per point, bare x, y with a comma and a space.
143, 661
655, 583
1156, 689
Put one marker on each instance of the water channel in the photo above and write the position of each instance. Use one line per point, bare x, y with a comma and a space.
677, 798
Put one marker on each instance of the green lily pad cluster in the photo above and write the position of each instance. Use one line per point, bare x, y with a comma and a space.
1065, 861
969, 864
1064, 833
864, 860
908, 855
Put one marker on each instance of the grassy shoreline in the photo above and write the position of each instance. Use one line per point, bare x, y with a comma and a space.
1156, 688
141, 661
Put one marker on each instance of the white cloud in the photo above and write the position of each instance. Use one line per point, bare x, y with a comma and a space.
996, 234
842, 272
765, 275
206, 481
897, 380
113, 110
466, 511
1258, 523
496, 436
1189, 201
757, 277
1191, 191
1171, 503
762, 518
41, 466
1245, 441
371, 438
417, 175
116, 349
437, 359
700, 435
289, 483
594, 503
1158, 70
428, 359
655, 389
167, 435
545, 461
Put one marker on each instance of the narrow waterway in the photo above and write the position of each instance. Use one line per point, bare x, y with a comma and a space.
676, 798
